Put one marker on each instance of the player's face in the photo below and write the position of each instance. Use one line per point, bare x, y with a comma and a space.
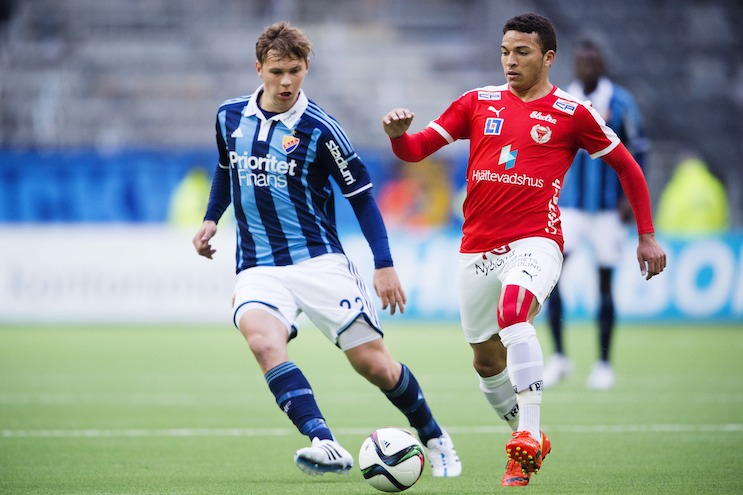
524, 65
282, 79
589, 67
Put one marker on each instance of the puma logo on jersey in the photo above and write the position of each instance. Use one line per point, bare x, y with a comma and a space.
498, 111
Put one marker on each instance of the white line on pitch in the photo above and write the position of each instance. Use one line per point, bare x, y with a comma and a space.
273, 432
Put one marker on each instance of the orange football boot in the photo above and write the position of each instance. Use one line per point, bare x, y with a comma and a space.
525, 457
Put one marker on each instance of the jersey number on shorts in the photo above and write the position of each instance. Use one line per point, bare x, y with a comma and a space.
347, 304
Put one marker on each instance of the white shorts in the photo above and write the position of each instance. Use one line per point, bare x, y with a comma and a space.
602, 231
328, 289
534, 263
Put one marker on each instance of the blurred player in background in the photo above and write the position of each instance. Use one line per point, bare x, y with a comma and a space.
523, 138
417, 197
277, 153
594, 209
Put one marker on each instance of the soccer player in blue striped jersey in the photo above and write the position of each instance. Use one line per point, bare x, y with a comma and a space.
278, 152
594, 209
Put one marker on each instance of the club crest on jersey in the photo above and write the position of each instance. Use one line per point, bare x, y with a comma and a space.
565, 106
540, 133
493, 126
487, 95
290, 143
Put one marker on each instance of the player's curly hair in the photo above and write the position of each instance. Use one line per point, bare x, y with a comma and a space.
534, 23
282, 40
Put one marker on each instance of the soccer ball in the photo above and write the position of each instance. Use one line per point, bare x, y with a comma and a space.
391, 459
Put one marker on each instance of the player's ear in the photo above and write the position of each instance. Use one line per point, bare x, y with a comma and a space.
258, 67
549, 57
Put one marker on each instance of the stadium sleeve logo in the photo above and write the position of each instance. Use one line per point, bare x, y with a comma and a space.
340, 162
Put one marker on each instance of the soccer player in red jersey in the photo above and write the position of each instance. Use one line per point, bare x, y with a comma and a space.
523, 137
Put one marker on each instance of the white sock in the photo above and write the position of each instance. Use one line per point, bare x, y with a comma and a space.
526, 370
529, 413
499, 393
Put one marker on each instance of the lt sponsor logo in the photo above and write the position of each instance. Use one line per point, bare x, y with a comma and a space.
493, 126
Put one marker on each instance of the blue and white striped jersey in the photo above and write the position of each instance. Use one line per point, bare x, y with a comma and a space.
592, 185
279, 180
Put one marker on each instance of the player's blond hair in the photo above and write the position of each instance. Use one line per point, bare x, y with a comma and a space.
282, 40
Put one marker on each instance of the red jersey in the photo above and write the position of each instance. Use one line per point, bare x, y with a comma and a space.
519, 153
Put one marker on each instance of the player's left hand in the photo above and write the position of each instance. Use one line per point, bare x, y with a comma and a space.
650, 255
389, 289
201, 240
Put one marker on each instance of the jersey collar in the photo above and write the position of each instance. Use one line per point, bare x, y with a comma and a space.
288, 118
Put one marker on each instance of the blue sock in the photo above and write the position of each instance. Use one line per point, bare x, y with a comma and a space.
407, 396
295, 397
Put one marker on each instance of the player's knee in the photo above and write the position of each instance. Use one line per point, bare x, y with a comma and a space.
489, 358
514, 306
382, 375
375, 364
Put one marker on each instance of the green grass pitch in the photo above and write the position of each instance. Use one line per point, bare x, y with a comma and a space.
185, 410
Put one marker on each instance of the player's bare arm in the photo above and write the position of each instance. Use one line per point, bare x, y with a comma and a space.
388, 288
201, 240
650, 255
397, 121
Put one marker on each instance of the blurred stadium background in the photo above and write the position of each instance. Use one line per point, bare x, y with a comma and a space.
106, 123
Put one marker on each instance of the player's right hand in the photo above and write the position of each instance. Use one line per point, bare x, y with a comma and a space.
388, 287
397, 121
201, 240
650, 255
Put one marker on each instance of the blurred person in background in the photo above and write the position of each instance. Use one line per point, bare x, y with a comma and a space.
417, 197
277, 154
523, 137
595, 211
694, 202
186, 205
